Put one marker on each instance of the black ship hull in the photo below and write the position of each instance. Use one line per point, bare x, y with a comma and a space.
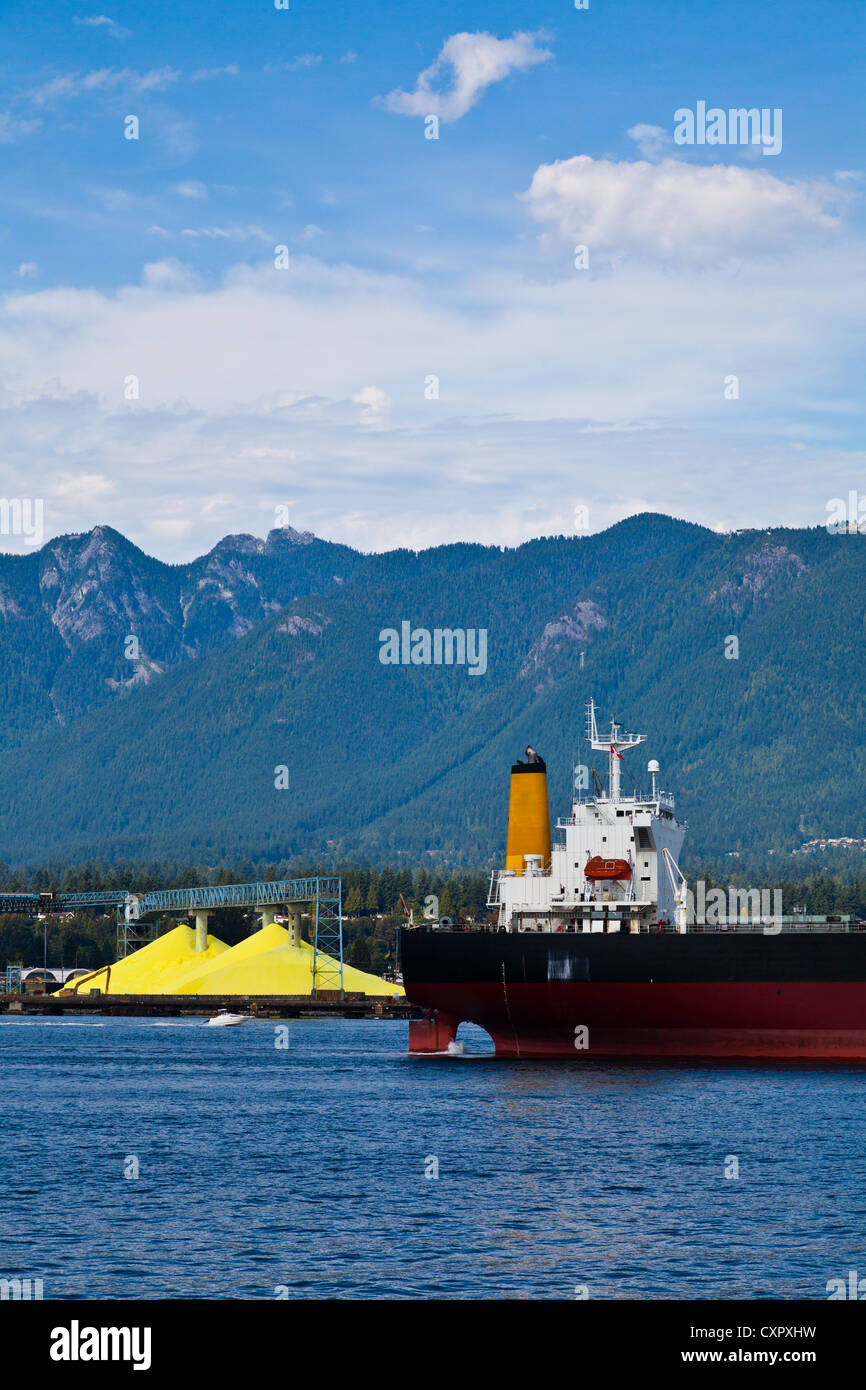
712, 994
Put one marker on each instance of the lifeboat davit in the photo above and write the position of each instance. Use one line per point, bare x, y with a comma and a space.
598, 868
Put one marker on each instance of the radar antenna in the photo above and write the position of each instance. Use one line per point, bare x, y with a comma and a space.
613, 744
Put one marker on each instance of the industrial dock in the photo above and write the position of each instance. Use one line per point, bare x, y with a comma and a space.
173, 967
327, 1004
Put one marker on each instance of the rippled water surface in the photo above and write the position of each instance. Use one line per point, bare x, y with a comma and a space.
302, 1170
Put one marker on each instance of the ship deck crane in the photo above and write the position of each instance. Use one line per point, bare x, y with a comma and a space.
680, 886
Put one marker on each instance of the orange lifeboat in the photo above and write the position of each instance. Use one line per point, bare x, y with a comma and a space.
599, 869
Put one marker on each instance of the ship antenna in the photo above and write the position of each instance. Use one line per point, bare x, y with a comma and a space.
614, 745
576, 789
591, 731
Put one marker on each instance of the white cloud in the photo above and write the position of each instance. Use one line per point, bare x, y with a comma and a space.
652, 140
102, 21
169, 528
306, 60
680, 212
28, 270
376, 402
205, 74
639, 344
177, 138
191, 188
83, 487
118, 199
311, 385
12, 128
469, 64
101, 80
251, 232
169, 274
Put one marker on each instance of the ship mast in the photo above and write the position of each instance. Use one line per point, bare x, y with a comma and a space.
613, 744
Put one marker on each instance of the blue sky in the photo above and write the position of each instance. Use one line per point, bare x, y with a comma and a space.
559, 388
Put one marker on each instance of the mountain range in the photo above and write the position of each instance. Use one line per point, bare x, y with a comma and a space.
238, 707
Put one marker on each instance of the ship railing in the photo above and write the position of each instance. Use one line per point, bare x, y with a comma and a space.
650, 928
665, 799
764, 925
755, 925
668, 929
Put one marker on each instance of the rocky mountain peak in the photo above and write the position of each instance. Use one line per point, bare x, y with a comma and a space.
287, 535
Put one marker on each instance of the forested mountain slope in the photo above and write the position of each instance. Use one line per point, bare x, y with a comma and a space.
266, 655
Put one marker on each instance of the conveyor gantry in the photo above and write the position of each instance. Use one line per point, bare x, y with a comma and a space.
267, 894
60, 902
138, 914
324, 894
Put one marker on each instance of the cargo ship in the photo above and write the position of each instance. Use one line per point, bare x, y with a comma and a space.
597, 950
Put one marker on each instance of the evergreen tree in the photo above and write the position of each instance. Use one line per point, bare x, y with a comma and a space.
352, 904
359, 953
388, 892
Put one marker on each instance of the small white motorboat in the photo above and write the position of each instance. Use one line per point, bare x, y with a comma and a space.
226, 1019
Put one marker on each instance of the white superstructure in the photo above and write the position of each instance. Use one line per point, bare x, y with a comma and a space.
633, 842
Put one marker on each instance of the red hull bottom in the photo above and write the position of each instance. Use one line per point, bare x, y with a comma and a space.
818, 1022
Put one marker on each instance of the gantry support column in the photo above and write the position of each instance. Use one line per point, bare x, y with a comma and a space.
201, 920
268, 916
294, 926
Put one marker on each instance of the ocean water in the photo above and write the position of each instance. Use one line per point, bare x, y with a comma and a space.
301, 1172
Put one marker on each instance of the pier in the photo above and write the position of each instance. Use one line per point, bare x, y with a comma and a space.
325, 1004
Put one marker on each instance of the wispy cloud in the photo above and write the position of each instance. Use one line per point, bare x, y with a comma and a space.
328, 395
652, 141
306, 60
103, 80
375, 404
466, 66
12, 129
102, 21
83, 486
191, 188
169, 274
251, 232
205, 74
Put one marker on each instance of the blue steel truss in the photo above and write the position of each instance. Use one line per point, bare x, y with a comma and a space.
277, 894
108, 899
328, 938
12, 981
